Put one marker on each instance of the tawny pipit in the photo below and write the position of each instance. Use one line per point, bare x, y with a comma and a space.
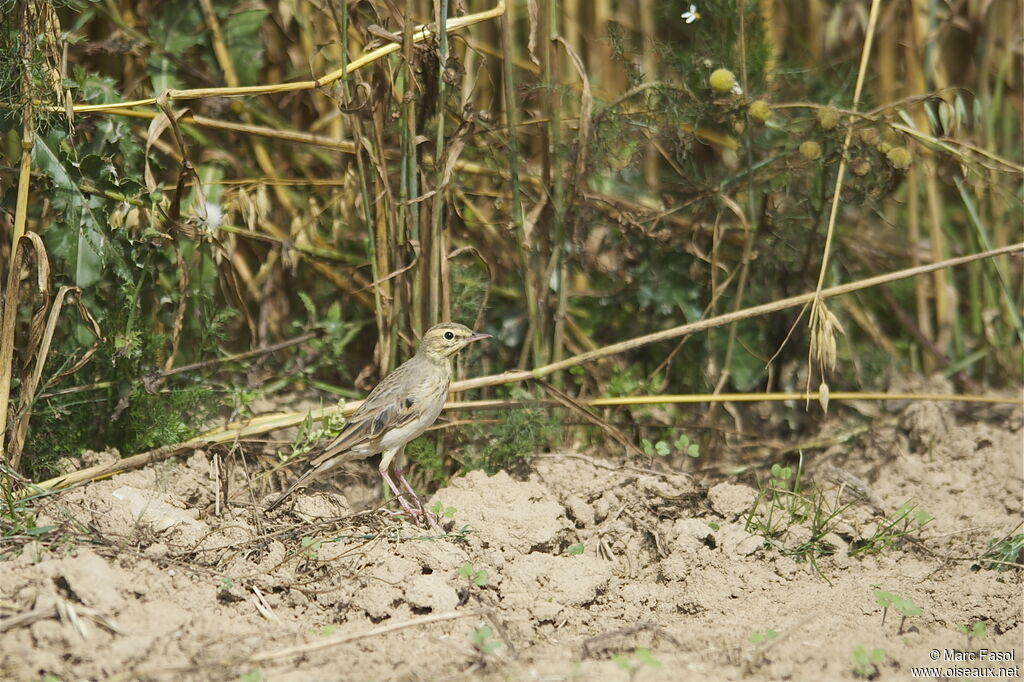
398, 409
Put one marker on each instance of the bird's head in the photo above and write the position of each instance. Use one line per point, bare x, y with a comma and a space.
446, 339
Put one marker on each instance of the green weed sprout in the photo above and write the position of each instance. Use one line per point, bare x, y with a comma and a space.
905, 607
478, 578
641, 658
310, 548
978, 630
783, 504
763, 637
662, 448
907, 519
1005, 552
865, 663
482, 640
442, 512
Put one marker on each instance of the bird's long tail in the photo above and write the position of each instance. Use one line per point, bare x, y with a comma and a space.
300, 481
315, 471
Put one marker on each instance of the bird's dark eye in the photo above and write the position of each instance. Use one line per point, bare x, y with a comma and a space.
449, 335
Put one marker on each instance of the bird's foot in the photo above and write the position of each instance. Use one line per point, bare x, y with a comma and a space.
414, 510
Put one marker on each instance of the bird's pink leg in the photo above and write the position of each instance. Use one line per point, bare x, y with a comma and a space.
409, 510
417, 514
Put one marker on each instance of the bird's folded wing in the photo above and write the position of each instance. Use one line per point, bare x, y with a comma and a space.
366, 427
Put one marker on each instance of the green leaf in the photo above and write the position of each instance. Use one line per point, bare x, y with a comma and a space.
575, 550
480, 637
647, 447
884, 599
908, 608
175, 26
662, 448
80, 231
242, 37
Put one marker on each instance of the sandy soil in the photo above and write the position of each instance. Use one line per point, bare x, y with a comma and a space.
150, 575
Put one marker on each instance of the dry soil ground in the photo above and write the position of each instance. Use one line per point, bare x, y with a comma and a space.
148, 577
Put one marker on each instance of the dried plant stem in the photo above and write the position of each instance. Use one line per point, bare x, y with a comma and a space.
309, 647
260, 153
409, 187
728, 318
438, 241
264, 424
422, 34
822, 323
10, 300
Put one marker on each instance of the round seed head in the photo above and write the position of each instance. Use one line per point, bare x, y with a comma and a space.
810, 150
722, 80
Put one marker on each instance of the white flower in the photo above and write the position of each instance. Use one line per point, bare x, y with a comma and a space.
214, 217
692, 15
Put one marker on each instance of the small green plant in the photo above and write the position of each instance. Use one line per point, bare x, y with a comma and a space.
17, 518
640, 659
310, 548
326, 630
330, 345
686, 446
251, 676
781, 477
905, 521
575, 550
763, 637
515, 438
309, 435
978, 630
483, 640
477, 577
424, 454
865, 663
662, 448
904, 607
794, 519
226, 583
1006, 552
442, 512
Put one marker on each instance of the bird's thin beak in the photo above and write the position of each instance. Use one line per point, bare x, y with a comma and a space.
478, 336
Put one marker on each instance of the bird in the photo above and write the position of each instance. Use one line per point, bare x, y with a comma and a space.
398, 410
